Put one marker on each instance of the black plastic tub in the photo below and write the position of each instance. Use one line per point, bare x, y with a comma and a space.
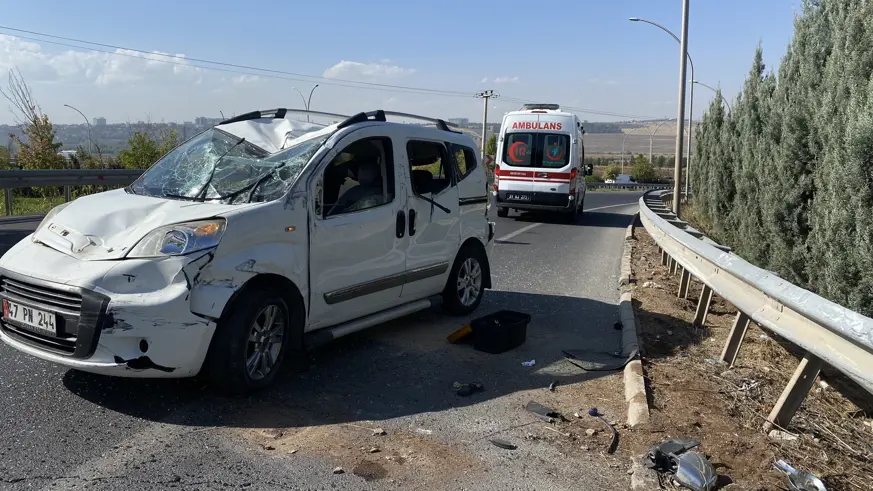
501, 331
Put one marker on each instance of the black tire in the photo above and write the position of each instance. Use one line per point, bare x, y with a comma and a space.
502, 212
230, 347
452, 298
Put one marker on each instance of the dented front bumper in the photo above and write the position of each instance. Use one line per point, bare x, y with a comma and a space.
129, 318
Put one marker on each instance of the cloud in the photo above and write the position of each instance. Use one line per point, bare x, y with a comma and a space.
357, 70
484, 80
245, 79
506, 80
97, 67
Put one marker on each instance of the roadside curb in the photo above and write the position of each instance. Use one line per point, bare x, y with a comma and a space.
634, 382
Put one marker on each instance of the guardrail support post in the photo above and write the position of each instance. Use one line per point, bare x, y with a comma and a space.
67, 194
8, 197
703, 306
794, 393
735, 339
683, 283
664, 257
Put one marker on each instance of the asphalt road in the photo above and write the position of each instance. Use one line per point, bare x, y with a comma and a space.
63, 429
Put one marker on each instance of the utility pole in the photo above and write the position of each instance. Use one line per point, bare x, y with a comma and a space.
680, 119
485, 95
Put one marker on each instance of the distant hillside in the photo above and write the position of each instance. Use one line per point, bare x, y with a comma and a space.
111, 138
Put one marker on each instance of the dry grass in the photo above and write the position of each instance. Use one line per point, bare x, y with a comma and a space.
725, 408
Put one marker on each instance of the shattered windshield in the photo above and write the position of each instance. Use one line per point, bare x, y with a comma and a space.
219, 167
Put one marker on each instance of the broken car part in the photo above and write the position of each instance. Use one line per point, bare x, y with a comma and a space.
503, 444
499, 331
614, 443
658, 457
799, 481
466, 390
545, 413
695, 472
598, 361
460, 334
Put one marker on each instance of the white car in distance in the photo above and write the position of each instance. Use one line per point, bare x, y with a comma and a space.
251, 242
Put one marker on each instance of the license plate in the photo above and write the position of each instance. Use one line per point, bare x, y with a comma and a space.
518, 197
34, 319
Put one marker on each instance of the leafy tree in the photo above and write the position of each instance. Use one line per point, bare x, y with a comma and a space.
491, 146
611, 172
143, 150
643, 171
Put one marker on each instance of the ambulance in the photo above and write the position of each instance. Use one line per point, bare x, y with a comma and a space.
540, 162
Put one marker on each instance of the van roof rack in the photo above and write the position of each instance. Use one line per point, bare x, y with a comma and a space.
378, 115
532, 106
278, 113
381, 115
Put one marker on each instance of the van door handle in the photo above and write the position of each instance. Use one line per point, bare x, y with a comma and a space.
401, 224
411, 223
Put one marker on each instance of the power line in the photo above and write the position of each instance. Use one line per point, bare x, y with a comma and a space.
272, 73
230, 65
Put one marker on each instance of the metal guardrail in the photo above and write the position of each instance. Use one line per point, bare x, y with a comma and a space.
12, 179
632, 186
830, 333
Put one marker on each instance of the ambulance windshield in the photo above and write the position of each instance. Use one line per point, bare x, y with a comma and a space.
548, 150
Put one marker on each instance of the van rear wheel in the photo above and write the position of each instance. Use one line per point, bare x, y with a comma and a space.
466, 284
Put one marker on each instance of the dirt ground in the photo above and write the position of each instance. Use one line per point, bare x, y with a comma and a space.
409, 456
693, 395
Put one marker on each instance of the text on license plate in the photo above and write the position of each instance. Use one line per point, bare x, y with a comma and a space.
35, 319
519, 197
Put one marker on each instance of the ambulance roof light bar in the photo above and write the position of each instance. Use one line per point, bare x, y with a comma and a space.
548, 107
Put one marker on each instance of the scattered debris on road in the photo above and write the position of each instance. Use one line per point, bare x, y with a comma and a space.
467, 389
379, 432
553, 385
614, 444
500, 331
339, 470
460, 334
503, 444
529, 363
545, 413
598, 361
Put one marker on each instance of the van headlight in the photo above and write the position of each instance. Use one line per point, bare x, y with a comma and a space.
180, 239
48, 218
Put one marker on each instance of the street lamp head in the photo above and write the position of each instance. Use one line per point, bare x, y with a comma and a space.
634, 19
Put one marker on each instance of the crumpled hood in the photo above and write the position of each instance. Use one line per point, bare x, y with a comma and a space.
107, 225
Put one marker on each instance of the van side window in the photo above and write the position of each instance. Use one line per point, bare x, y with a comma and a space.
465, 159
360, 177
428, 162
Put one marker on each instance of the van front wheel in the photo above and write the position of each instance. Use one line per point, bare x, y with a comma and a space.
251, 343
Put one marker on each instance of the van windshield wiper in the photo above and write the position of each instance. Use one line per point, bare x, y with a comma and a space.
201, 194
255, 185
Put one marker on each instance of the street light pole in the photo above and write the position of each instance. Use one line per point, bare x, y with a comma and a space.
685, 57
305, 101
90, 142
714, 90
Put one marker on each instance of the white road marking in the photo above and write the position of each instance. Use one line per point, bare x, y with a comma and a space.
534, 225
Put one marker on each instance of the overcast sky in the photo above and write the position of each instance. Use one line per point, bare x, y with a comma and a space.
579, 53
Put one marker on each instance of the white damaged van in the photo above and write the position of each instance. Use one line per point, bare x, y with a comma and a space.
540, 162
251, 241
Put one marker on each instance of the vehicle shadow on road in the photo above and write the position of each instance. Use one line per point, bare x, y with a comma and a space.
402, 368
587, 219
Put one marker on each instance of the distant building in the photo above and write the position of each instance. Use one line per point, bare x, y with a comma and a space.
99, 121
460, 121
